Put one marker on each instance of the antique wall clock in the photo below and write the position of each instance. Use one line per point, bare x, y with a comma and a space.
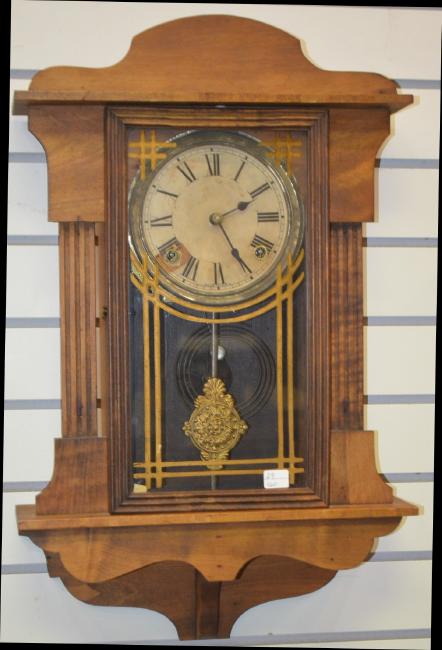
210, 207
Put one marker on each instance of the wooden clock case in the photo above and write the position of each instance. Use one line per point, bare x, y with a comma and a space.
200, 566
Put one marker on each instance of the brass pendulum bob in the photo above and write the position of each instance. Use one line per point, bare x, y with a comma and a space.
215, 426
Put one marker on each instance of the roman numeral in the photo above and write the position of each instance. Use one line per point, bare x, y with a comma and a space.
191, 267
218, 273
239, 170
214, 165
161, 221
188, 174
259, 190
261, 241
175, 196
264, 217
163, 248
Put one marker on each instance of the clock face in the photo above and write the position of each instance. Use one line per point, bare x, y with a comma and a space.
217, 217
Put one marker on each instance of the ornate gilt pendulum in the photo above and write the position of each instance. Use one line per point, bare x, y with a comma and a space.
215, 426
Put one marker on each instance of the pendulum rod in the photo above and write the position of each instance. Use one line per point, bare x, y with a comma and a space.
214, 345
215, 337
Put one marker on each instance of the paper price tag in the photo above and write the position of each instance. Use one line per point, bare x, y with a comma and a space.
276, 478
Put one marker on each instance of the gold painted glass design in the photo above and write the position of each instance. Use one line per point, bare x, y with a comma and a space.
216, 231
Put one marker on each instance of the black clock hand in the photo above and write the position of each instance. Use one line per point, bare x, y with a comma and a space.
226, 236
242, 205
236, 255
216, 218
234, 251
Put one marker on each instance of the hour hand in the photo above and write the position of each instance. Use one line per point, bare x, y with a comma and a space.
242, 205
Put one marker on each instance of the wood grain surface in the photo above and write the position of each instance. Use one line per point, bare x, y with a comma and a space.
353, 475
199, 609
73, 140
80, 480
29, 520
346, 327
99, 554
78, 329
356, 136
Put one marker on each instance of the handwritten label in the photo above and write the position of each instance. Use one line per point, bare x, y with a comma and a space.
276, 478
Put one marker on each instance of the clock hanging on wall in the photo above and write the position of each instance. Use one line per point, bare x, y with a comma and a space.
213, 453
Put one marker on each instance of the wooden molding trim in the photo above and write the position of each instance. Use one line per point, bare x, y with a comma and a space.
30, 521
315, 123
80, 480
271, 61
73, 140
354, 477
356, 136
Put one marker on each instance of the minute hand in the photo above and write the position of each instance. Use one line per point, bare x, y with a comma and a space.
234, 251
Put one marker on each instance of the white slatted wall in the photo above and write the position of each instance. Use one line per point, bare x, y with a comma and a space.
385, 603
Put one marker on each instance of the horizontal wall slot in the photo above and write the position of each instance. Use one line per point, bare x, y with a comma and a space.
401, 556
24, 486
388, 163
401, 242
293, 639
20, 569
30, 404
400, 321
374, 321
408, 163
32, 240
36, 323
423, 84
26, 157
409, 477
376, 242
27, 404
399, 399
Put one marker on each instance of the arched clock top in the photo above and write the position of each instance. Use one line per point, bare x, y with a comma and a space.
175, 61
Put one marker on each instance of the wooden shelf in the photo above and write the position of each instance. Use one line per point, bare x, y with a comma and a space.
167, 562
28, 520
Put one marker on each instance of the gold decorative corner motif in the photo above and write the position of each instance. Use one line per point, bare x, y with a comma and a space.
150, 151
215, 426
284, 148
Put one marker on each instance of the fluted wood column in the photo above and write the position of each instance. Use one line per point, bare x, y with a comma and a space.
78, 329
346, 336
